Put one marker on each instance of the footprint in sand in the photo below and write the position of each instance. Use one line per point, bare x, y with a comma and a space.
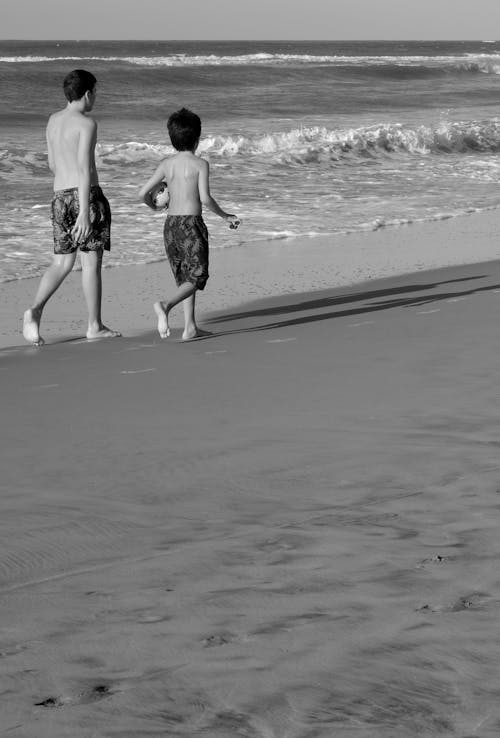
218, 639
99, 692
435, 559
51, 702
473, 601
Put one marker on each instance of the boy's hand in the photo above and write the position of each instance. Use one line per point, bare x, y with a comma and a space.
81, 229
234, 222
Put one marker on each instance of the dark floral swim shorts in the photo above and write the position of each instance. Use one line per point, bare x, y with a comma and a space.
186, 244
65, 208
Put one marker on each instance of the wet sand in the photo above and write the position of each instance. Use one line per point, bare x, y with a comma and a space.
287, 530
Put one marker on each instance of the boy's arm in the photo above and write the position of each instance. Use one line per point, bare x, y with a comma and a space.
50, 153
145, 191
86, 145
205, 196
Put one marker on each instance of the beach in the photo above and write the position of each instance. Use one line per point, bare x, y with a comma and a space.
241, 274
288, 529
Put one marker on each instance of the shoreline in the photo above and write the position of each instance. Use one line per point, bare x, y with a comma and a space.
244, 274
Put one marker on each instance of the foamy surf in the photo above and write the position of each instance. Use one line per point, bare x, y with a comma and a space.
486, 63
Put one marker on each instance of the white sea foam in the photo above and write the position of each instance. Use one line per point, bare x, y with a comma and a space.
486, 63
307, 144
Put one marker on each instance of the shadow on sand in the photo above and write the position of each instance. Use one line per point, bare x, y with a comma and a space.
371, 301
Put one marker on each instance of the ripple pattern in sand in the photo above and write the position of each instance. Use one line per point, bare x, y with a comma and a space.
60, 547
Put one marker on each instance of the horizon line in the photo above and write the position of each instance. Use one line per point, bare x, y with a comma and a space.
259, 40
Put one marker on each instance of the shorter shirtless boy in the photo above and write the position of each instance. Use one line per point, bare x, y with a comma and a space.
81, 216
185, 233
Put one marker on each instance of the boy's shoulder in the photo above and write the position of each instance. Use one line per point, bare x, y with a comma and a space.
54, 117
181, 158
198, 163
73, 119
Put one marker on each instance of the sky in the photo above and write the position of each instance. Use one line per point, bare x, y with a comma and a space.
250, 19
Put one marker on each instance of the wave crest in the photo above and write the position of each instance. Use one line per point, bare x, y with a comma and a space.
299, 146
474, 63
304, 144
307, 144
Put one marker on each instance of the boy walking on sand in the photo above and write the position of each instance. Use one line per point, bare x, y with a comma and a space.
81, 215
185, 233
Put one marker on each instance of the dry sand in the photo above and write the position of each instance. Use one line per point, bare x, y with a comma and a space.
289, 530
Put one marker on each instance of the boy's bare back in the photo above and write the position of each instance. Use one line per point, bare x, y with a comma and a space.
184, 174
71, 140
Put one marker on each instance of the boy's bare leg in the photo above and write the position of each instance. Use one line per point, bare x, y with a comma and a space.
92, 289
191, 330
162, 308
190, 327
53, 277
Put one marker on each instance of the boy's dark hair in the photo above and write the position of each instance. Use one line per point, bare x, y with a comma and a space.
77, 83
184, 129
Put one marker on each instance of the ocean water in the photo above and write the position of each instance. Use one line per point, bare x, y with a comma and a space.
303, 138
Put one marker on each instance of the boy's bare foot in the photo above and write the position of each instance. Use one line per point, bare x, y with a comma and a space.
31, 327
161, 311
195, 333
102, 332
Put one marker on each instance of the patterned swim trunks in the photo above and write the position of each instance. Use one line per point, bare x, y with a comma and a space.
186, 244
65, 208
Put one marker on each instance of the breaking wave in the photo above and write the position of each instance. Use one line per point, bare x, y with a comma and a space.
305, 144
474, 63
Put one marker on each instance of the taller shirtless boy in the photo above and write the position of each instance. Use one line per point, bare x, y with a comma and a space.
81, 216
